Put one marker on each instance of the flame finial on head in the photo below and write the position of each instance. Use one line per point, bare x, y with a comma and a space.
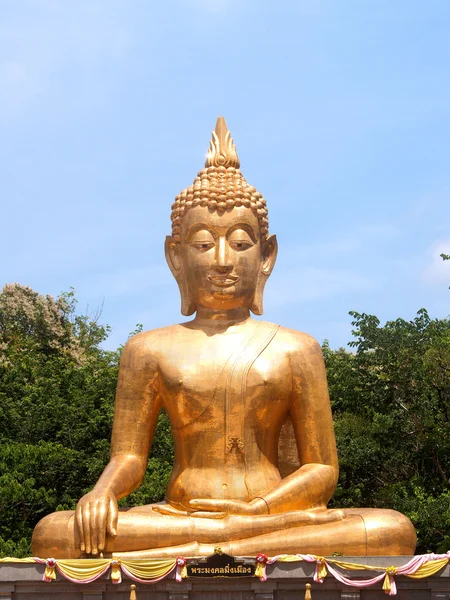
220, 185
222, 151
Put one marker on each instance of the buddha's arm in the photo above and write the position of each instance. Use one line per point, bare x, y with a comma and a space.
135, 417
313, 484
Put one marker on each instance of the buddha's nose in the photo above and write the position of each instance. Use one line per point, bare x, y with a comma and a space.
222, 257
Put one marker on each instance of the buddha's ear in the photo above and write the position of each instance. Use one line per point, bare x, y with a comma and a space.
269, 252
173, 257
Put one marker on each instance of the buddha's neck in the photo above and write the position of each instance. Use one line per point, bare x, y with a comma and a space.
219, 319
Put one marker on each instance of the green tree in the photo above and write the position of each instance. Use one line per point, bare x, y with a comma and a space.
391, 404
57, 389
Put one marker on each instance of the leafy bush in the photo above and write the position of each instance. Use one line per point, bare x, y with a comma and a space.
391, 404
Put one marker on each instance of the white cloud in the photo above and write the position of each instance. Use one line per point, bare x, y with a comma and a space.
437, 270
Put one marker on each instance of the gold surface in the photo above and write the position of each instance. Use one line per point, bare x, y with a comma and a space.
229, 385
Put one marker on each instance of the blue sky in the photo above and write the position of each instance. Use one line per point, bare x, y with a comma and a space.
340, 111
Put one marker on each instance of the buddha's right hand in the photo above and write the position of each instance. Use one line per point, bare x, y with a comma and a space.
96, 515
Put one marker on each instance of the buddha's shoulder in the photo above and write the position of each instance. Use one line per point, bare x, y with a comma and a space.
154, 340
295, 342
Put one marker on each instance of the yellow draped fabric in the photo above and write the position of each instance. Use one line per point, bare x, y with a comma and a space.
30, 559
289, 558
49, 574
354, 566
322, 571
429, 568
386, 583
82, 568
116, 575
260, 570
88, 569
149, 569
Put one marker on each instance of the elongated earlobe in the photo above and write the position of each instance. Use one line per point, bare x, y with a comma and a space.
172, 252
268, 258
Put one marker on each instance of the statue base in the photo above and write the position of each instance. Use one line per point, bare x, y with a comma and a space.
286, 581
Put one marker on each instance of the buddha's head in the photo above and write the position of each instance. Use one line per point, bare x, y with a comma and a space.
220, 252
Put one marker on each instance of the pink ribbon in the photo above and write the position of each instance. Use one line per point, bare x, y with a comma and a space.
408, 569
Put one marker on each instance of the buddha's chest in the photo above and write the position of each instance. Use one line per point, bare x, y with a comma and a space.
225, 385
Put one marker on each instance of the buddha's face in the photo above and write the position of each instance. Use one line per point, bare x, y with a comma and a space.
221, 258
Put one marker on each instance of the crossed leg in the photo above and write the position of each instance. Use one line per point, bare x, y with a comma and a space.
145, 533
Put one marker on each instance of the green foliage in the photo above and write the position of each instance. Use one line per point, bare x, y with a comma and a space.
56, 404
57, 389
391, 404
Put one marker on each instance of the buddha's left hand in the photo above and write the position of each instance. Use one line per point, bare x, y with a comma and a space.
207, 508
230, 507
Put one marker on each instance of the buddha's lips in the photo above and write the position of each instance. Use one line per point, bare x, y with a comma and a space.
222, 280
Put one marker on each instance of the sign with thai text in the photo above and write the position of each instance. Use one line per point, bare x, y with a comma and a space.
221, 565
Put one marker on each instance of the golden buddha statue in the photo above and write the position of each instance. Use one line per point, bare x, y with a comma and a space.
255, 454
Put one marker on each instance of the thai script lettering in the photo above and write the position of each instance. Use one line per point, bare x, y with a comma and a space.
226, 570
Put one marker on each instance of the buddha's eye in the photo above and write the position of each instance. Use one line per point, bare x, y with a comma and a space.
240, 240
203, 246
202, 241
239, 246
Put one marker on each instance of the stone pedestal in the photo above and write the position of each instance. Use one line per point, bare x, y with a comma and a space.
286, 581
